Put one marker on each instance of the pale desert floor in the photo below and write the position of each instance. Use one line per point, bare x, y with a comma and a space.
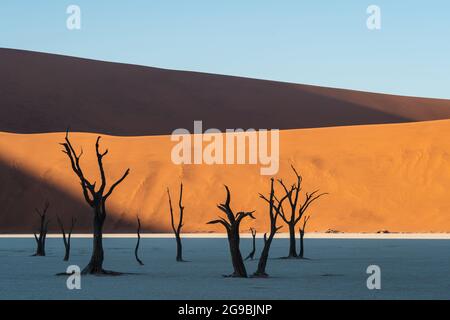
416, 269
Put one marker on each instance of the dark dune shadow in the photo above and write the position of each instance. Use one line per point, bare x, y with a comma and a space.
21, 193
46, 93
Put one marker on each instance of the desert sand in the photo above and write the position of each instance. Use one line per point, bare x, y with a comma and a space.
383, 159
48, 93
392, 177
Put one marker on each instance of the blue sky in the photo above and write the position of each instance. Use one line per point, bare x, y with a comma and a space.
314, 42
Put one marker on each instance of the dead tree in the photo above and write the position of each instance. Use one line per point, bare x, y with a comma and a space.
96, 199
275, 209
177, 229
66, 238
251, 255
43, 229
302, 234
297, 208
232, 228
138, 242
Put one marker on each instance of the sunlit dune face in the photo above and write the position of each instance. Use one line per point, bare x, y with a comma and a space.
379, 177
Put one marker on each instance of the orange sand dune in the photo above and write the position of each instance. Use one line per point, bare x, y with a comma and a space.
394, 177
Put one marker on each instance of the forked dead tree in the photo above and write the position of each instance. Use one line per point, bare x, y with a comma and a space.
275, 208
43, 229
66, 237
177, 229
138, 242
96, 199
297, 208
251, 255
232, 228
302, 235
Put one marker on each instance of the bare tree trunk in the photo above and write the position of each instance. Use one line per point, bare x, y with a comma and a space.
40, 250
232, 227
297, 208
67, 254
292, 242
236, 257
179, 248
302, 251
274, 212
96, 198
43, 229
95, 265
251, 255
138, 242
302, 235
177, 229
261, 271
66, 238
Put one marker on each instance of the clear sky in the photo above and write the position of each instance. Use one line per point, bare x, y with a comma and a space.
317, 42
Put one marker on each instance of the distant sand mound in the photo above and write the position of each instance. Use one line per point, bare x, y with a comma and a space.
47, 93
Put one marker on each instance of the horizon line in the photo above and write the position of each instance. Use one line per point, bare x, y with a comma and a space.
226, 75
283, 235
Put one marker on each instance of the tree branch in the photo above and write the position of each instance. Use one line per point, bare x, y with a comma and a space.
171, 212
310, 198
222, 222
116, 184
100, 164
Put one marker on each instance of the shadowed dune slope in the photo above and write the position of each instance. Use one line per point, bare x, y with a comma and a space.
21, 193
47, 93
393, 177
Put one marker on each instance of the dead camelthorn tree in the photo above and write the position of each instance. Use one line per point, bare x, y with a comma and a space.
67, 237
177, 229
251, 255
302, 235
43, 229
138, 242
232, 228
297, 208
275, 209
96, 199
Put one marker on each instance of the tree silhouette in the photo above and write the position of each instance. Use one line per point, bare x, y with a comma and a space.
232, 228
66, 238
43, 229
177, 229
297, 208
251, 255
275, 209
138, 242
302, 234
96, 198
